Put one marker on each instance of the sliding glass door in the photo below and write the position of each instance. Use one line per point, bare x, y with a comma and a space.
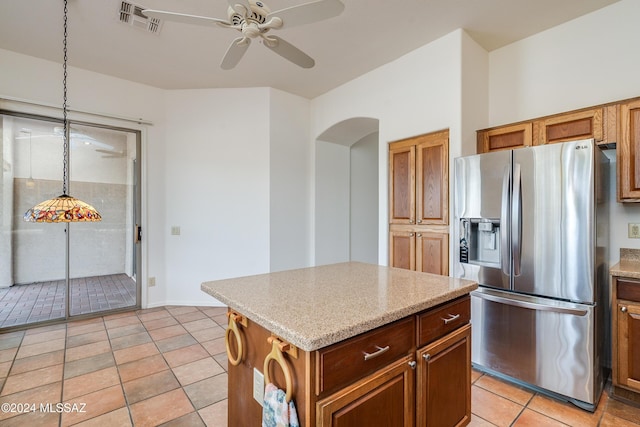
36, 283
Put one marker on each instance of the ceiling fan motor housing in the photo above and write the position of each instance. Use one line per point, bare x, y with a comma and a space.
258, 12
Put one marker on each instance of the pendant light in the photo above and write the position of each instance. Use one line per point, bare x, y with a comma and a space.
63, 208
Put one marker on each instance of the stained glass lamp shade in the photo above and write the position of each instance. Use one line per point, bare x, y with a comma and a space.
63, 208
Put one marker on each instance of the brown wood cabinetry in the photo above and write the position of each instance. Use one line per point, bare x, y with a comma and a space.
615, 123
626, 334
444, 368
572, 126
415, 371
420, 250
505, 137
628, 150
419, 203
418, 180
383, 399
599, 123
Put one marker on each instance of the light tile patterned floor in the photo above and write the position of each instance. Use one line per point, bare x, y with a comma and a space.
37, 302
167, 366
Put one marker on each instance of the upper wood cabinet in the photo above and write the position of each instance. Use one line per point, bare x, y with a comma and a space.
505, 137
419, 180
571, 126
599, 123
628, 150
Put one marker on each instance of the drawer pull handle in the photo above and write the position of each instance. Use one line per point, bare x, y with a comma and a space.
451, 318
376, 353
234, 319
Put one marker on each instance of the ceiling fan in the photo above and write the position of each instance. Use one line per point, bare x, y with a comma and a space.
254, 19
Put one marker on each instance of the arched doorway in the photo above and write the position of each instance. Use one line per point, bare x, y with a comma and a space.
346, 196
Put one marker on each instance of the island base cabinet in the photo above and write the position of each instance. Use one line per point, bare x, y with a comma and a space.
243, 408
383, 399
444, 381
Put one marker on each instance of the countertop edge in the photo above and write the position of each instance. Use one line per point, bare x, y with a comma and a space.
346, 332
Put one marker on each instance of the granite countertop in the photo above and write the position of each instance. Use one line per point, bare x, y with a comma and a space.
319, 306
629, 265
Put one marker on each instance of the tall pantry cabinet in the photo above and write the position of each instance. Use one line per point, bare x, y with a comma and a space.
419, 203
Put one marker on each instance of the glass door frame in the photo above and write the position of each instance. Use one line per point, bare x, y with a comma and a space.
136, 212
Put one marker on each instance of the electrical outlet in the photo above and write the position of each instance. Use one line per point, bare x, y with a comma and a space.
634, 231
258, 386
175, 230
152, 281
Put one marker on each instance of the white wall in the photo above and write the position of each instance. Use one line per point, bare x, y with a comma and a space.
291, 182
416, 94
217, 188
332, 170
363, 200
585, 62
32, 79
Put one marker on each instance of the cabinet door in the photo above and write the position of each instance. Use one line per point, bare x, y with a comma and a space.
628, 338
572, 126
402, 249
384, 399
444, 369
432, 253
505, 138
628, 152
402, 181
432, 178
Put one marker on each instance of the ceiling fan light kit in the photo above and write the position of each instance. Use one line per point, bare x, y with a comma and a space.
254, 20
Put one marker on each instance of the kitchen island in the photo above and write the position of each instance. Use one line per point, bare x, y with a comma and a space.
351, 343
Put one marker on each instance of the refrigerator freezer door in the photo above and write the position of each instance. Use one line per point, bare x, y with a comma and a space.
543, 342
481, 201
553, 242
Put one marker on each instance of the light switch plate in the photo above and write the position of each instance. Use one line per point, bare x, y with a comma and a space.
258, 386
634, 231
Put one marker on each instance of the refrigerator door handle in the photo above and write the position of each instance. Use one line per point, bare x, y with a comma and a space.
523, 302
516, 220
504, 214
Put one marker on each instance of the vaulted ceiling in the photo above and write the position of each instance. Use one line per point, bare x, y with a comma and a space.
368, 34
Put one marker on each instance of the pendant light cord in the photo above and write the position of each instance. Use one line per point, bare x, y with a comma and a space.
65, 124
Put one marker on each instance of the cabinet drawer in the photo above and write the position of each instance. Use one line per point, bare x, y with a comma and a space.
439, 321
352, 359
628, 290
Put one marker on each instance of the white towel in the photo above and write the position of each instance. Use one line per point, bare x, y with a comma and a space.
276, 412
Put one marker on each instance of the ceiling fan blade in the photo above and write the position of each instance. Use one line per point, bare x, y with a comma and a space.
289, 52
184, 18
308, 12
235, 52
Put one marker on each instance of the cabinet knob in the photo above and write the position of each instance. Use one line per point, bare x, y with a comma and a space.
623, 309
419, 221
413, 364
419, 234
426, 357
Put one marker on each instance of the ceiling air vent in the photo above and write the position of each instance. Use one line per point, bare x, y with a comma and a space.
132, 14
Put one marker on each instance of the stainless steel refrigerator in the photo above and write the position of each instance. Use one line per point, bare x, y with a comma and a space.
531, 227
